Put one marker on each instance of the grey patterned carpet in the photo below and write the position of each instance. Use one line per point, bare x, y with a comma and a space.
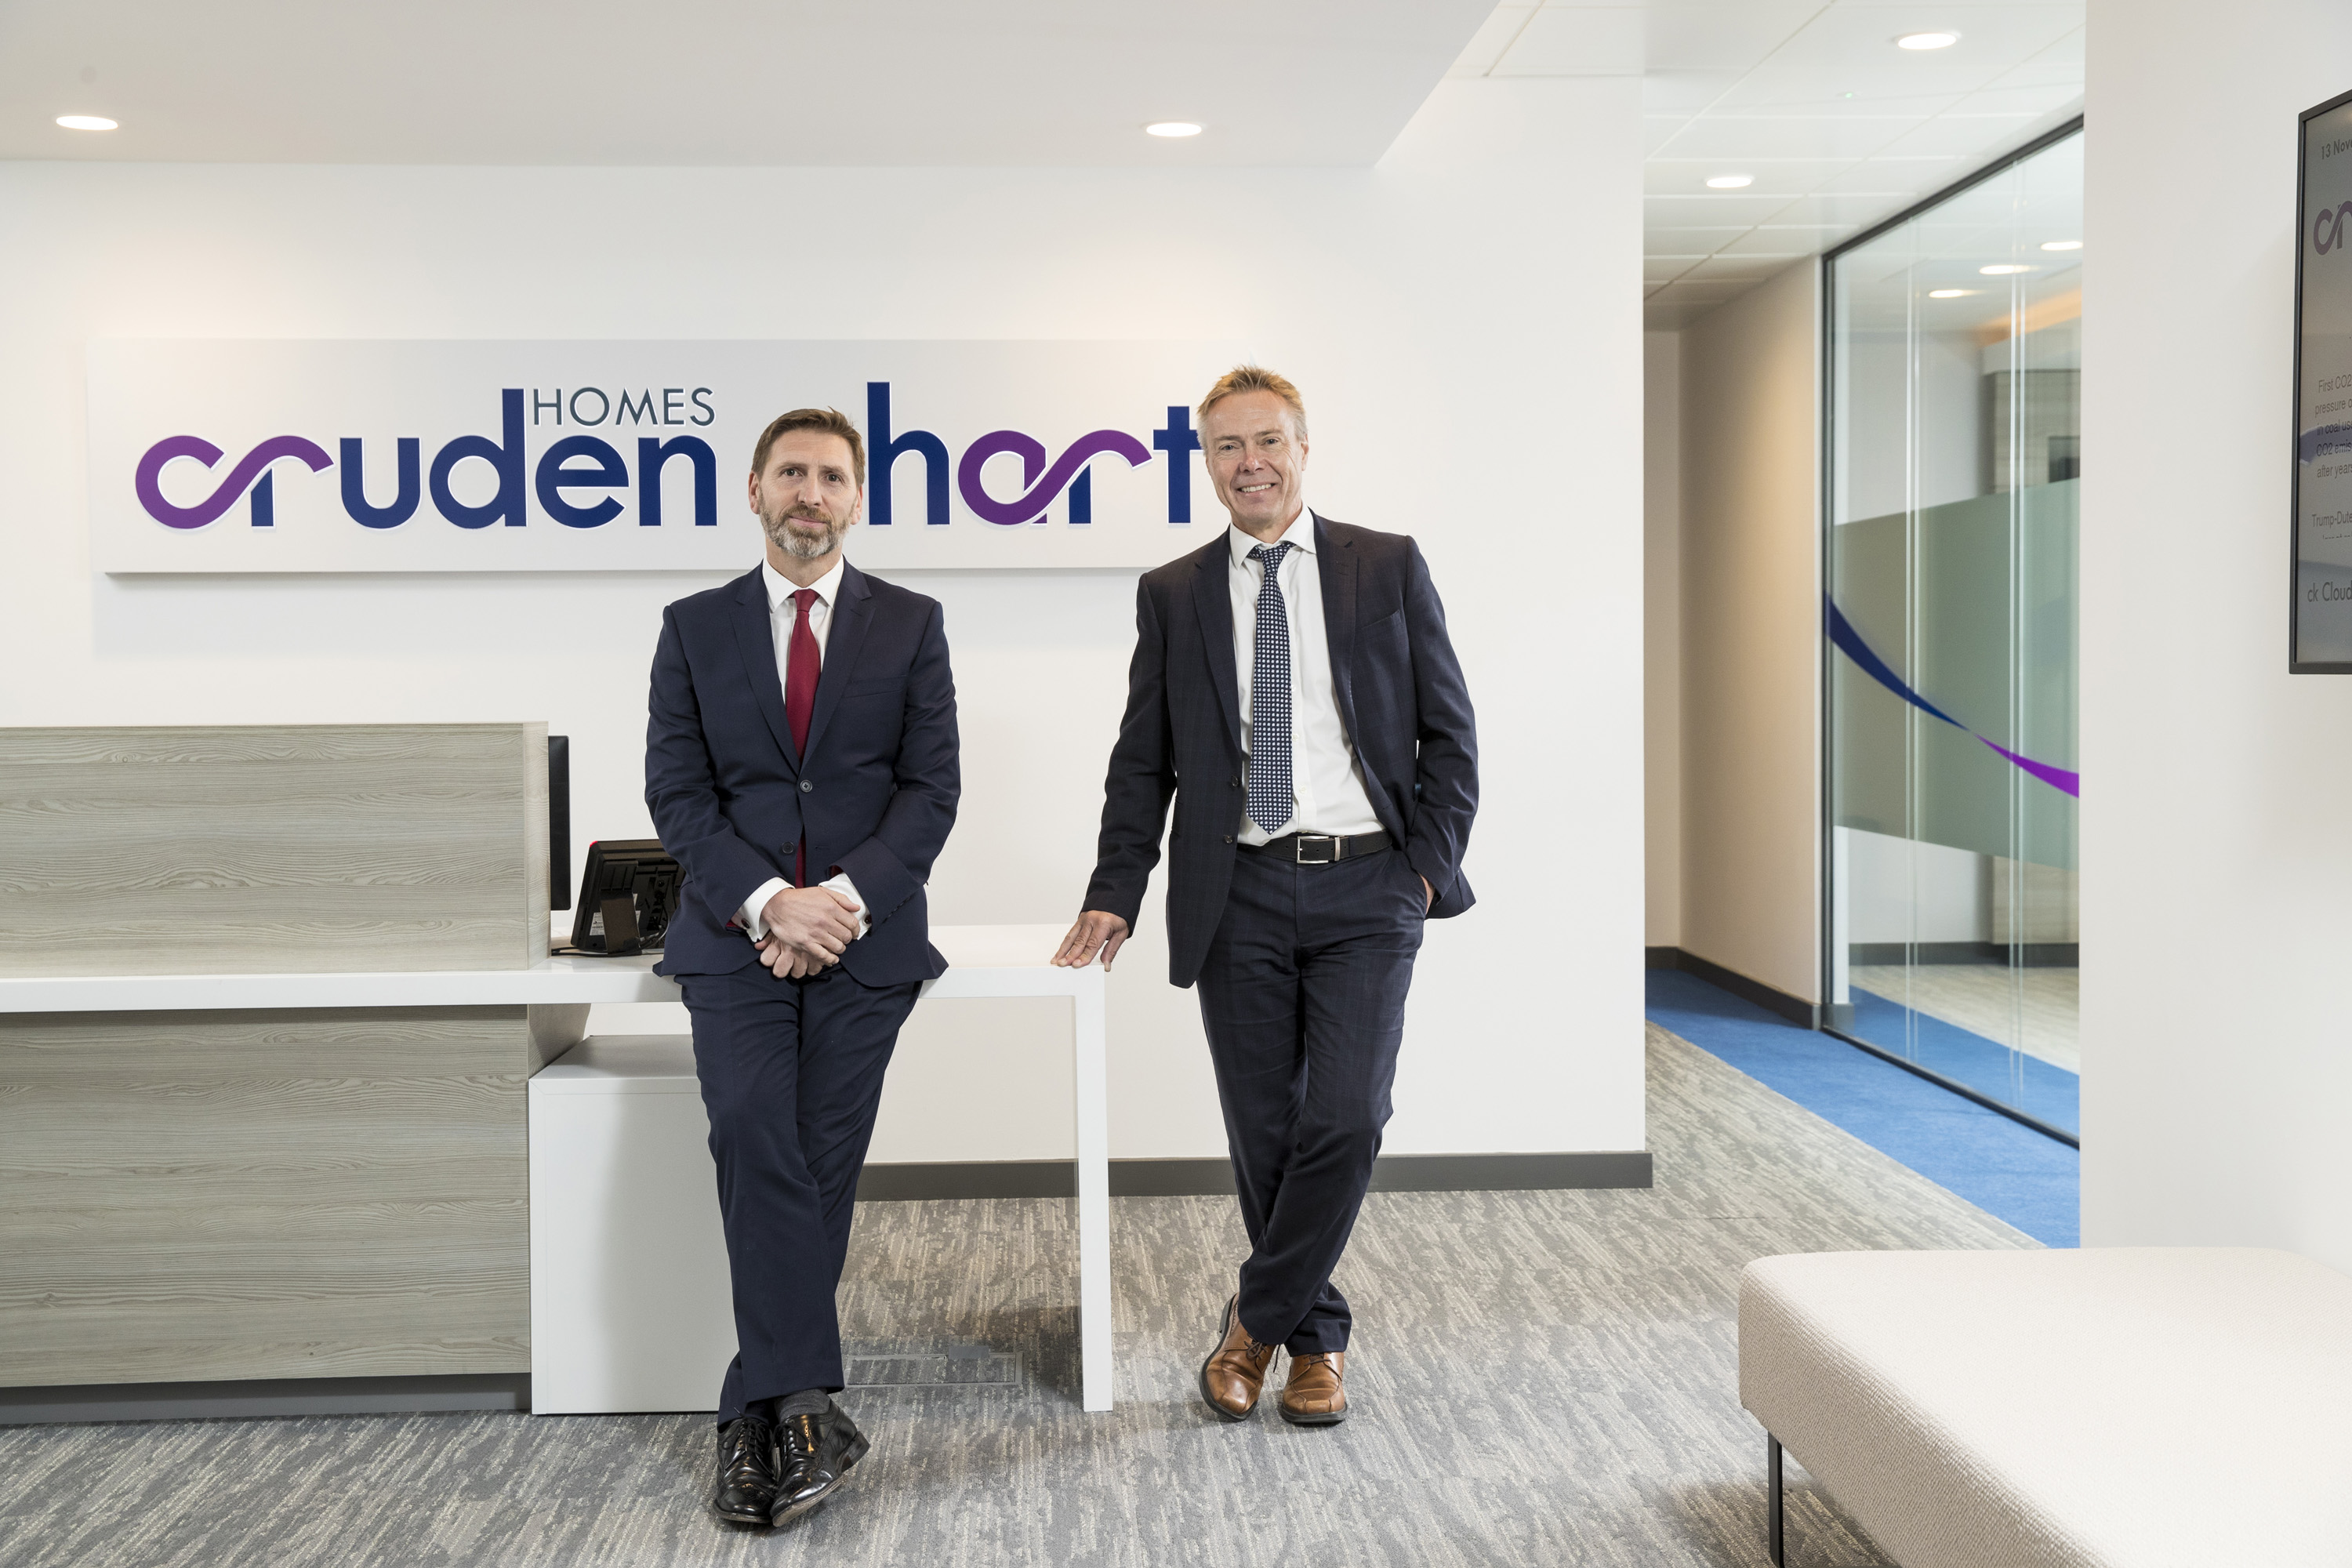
1538, 1378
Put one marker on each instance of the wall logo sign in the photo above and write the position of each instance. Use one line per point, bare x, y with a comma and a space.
472, 456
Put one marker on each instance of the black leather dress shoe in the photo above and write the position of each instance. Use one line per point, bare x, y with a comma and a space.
819, 1451
745, 1493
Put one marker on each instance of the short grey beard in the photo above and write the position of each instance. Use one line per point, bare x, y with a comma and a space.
781, 535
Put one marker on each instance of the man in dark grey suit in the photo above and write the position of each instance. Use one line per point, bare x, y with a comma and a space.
1294, 692
800, 763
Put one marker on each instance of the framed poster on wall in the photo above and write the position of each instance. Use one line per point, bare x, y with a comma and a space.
2320, 623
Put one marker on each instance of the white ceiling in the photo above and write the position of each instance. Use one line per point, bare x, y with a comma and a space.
1837, 127
1020, 82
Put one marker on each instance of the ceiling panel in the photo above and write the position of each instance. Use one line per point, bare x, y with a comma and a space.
1687, 91
1785, 239
1020, 82
1847, 44
2060, 65
1708, 211
1846, 212
1962, 136
1721, 38
1577, 40
1657, 132
1839, 128
1789, 136
2002, 98
1783, 178
1909, 175
1742, 268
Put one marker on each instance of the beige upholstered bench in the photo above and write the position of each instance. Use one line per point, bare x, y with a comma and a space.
2106, 1409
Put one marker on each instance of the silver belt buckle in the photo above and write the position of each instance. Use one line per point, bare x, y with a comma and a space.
1329, 843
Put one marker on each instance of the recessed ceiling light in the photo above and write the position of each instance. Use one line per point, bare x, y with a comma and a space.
1730, 182
1950, 293
2003, 268
2062, 245
1173, 128
86, 122
1927, 40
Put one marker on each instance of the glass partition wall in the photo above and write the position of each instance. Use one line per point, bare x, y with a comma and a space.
1953, 452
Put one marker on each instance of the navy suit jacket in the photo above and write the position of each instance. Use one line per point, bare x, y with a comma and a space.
874, 796
1401, 702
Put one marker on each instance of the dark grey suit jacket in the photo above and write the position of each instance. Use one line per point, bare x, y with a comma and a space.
875, 797
1401, 702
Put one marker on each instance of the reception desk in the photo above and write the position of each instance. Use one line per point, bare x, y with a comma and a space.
264, 1113
246, 1131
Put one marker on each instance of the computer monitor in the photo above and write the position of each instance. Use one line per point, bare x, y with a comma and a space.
559, 822
628, 891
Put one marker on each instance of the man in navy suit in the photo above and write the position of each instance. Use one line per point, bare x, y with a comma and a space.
800, 766
1294, 692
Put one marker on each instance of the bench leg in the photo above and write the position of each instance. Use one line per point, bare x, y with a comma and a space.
1773, 1545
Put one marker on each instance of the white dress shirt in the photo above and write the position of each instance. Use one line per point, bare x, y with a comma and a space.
1326, 785
782, 614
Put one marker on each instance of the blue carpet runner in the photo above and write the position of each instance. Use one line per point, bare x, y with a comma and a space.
2008, 1169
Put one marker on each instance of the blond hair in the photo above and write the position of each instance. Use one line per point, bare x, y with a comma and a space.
1256, 378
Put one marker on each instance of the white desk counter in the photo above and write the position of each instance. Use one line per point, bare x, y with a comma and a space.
984, 962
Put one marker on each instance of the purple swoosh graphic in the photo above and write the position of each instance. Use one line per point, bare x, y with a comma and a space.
240, 478
1849, 642
2055, 777
1033, 455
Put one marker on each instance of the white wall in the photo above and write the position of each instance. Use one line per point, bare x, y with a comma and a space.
1752, 635
1466, 322
2217, 874
1913, 433
1662, 638
1908, 889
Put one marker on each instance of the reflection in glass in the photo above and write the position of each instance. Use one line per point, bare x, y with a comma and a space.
1955, 467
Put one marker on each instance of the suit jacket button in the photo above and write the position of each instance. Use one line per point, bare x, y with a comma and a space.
785, 848
806, 787
1229, 838
1232, 783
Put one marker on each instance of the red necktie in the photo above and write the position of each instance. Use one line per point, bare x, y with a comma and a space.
802, 664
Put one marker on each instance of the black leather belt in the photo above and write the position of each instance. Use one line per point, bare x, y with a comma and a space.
1321, 848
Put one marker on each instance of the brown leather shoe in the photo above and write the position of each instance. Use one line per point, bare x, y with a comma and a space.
1312, 1396
1234, 1374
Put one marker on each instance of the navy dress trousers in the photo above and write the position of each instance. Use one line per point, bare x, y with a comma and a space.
792, 1070
1302, 968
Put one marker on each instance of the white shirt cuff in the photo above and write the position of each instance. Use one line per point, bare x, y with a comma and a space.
840, 883
749, 916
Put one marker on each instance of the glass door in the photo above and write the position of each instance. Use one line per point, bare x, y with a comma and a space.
1954, 464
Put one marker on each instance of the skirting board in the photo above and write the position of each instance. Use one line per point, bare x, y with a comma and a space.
1209, 1178
2016, 955
1804, 1013
980, 1179
276, 1396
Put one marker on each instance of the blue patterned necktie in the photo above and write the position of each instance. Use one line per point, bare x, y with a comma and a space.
1270, 800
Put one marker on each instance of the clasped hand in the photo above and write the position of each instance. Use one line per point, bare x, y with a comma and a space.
808, 928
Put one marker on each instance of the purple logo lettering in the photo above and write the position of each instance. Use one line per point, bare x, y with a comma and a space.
575, 463
253, 466
1031, 452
